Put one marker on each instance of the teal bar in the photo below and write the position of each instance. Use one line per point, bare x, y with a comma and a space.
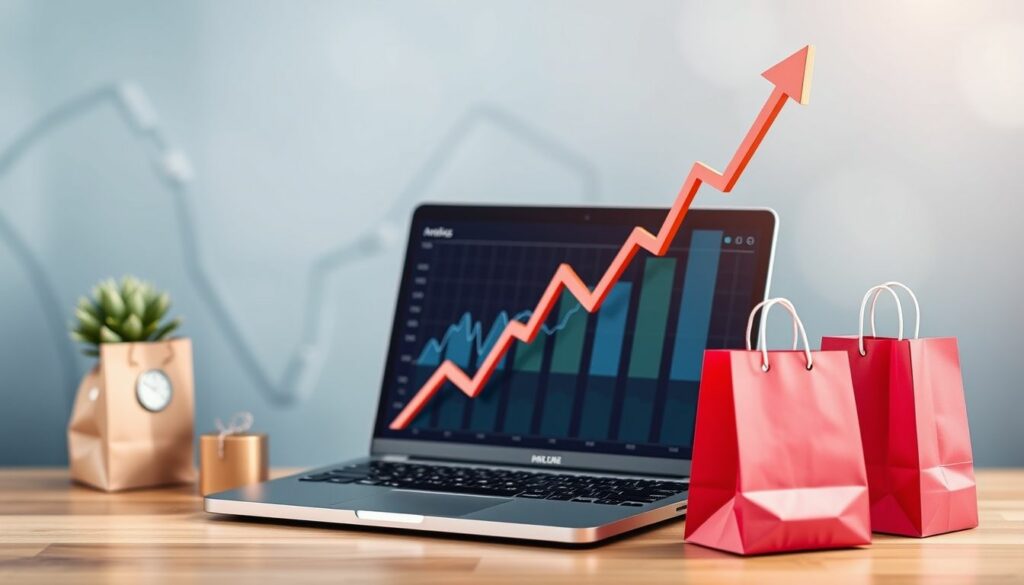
565, 357
522, 401
484, 416
651, 318
530, 357
558, 403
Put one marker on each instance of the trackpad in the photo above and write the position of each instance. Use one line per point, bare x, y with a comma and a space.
422, 504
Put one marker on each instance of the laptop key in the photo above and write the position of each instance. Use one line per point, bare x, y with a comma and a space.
317, 477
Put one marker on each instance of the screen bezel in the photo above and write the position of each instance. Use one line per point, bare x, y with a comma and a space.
764, 220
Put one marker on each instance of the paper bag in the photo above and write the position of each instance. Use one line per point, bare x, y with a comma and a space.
777, 458
913, 421
114, 442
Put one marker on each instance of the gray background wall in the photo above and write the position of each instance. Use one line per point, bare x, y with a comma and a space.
313, 127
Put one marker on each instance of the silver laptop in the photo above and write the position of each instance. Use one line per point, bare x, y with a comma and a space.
581, 434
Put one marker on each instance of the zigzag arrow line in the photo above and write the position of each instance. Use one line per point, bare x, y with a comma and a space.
792, 79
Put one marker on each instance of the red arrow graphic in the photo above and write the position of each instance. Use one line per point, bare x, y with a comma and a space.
792, 80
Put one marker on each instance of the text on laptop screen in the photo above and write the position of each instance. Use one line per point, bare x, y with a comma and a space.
622, 380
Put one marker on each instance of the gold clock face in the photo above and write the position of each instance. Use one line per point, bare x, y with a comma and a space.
153, 389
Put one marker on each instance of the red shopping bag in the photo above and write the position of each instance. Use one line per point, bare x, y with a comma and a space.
777, 459
913, 420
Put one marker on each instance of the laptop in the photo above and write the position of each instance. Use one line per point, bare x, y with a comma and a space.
583, 433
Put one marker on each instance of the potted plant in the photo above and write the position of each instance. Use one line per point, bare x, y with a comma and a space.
131, 425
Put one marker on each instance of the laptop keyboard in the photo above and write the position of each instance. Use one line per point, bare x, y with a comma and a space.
610, 491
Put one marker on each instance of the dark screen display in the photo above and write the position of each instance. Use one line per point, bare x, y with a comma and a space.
621, 380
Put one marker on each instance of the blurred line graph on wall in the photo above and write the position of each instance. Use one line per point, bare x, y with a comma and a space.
306, 360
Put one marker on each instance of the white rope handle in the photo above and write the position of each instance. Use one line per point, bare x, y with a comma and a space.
765, 307
876, 290
913, 297
750, 323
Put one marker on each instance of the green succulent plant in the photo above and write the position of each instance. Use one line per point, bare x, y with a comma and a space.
131, 311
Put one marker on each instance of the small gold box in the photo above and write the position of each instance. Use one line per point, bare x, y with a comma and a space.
241, 459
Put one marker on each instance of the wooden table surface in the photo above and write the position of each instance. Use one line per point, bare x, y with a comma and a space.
52, 531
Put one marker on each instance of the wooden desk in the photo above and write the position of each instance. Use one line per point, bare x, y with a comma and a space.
52, 531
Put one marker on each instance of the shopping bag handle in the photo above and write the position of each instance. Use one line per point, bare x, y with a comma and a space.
750, 323
876, 290
913, 297
762, 342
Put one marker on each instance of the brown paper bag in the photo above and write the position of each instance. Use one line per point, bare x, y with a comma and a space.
114, 442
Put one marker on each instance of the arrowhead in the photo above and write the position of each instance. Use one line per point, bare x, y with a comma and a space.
792, 75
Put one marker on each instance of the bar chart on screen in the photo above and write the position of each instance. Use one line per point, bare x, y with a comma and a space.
619, 374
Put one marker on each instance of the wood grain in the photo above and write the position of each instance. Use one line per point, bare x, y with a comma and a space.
52, 531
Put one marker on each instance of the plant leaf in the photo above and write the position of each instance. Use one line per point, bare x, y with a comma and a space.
137, 304
92, 337
112, 302
108, 336
78, 336
131, 329
166, 330
111, 284
88, 306
129, 284
86, 322
157, 309
149, 292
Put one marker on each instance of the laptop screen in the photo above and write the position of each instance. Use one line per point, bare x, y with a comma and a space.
620, 381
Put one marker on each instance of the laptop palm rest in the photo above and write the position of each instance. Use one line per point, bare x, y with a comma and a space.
412, 506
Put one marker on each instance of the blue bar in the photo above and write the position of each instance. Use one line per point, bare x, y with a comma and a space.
679, 414
453, 401
611, 323
637, 410
597, 408
522, 401
695, 307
